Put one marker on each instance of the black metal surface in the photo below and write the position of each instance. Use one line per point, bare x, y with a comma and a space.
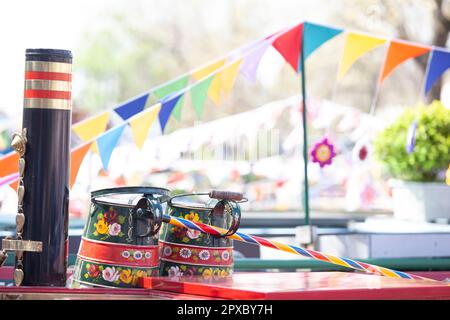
154, 191
49, 55
46, 200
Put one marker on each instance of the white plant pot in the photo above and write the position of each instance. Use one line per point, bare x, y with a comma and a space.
420, 201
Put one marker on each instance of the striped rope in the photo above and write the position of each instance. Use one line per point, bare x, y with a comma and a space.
312, 254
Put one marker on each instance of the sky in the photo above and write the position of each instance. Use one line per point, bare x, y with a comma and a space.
61, 25
37, 24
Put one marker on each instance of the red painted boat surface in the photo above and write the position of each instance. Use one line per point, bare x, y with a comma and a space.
304, 286
255, 285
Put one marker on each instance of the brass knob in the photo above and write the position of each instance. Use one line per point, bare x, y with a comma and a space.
3, 256
20, 222
21, 167
20, 194
19, 142
18, 277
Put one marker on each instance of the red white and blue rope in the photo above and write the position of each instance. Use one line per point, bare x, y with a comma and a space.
313, 254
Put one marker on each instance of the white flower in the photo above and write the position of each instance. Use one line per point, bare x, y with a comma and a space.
137, 255
110, 274
204, 255
225, 255
175, 272
148, 255
193, 234
126, 254
114, 229
167, 251
185, 253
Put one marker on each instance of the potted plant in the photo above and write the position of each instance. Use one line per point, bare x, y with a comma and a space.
415, 150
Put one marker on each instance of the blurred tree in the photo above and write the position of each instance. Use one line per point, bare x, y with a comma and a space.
140, 44
423, 21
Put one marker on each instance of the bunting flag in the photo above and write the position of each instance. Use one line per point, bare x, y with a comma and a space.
92, 128
198, 95
142, 123
76, 158
206, 71
107, 142
130, 108
229, 75
9, 179
288, 45
438, 64
15, 184
399, 52
215, 88
223, 81
172, 87
315, 35
249, 66
356, 45
167, 106
9, 164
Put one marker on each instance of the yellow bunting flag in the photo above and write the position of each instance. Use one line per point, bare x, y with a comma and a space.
76, 158
215, 89
206, 71
356, 45
229, 75
141, 123
91, 128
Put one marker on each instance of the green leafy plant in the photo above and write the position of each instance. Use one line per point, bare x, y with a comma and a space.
431, 153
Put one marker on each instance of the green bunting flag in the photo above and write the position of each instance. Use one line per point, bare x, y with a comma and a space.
198, 95
174, 86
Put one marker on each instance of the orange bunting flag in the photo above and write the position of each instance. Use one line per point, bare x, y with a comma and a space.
206, 71
91, 128
356, 45
140, 124
398, 52
15, 184
289, 44
76, 158
9, 164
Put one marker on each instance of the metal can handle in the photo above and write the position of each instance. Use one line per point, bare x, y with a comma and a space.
235, 211
148, 210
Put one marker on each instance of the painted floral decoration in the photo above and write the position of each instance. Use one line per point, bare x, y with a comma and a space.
109, 224
207, 273
204, 255
186, 235
115, 275
323, 153
175, 272
185, 253
225, 255
192, 216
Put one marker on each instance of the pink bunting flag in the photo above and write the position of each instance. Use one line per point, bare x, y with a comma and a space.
249, 66
9, 179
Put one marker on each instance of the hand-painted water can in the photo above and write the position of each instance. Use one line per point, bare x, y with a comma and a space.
186, 252
120, 242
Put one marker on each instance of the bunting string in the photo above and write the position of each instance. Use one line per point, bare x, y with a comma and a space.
216, 80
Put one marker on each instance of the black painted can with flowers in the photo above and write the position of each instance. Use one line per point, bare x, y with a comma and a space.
118, 246
186, 252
